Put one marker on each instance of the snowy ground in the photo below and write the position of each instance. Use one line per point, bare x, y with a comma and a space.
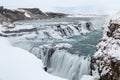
18, 64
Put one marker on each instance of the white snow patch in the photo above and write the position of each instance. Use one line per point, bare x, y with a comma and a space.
80, 15
65, 45
18, 64
87, 77
27, 15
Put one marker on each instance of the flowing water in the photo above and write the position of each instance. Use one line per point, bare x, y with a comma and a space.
70, 63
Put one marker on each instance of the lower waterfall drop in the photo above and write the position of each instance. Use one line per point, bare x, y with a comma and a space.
67, 65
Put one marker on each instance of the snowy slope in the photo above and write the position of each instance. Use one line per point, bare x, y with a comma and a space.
18, 64
83, 15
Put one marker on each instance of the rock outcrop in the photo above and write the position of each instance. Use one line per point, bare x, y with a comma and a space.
8, 15
55, 15
11, 15
34, 13
106, 61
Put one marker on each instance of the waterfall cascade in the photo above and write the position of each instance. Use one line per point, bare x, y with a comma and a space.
57, 58
61, 63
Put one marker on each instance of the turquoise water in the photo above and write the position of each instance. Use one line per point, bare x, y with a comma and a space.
86, 44
81, 45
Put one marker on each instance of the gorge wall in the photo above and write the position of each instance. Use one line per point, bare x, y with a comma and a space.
106, 61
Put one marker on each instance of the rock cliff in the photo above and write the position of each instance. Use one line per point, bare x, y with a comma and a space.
11, 15
34, 13
106, 61
8, 15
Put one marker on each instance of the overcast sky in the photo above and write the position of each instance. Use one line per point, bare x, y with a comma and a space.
67, 6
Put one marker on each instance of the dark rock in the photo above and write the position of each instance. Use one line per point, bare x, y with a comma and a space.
35, 13
8, 15
1, 8
45, 68
109, 34
89, 26
55, 15
11, 15
113, 27
112, 64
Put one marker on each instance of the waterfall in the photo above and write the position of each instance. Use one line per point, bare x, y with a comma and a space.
56, 59
61, 63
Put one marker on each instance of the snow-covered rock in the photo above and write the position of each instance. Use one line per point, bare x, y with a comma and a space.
46, 31
106, 61
33, 13
16, 30
18, 64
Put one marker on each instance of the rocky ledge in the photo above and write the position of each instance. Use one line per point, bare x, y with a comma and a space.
106, 61
17, 30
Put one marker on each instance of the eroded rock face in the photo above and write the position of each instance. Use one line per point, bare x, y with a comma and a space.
106, 60
35, 13
8, 15
12, 15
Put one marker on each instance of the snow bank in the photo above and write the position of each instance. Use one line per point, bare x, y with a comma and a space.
87, 77
84, 16
18, 64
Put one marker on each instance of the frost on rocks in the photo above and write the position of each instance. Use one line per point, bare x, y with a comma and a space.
47, 31
107, 58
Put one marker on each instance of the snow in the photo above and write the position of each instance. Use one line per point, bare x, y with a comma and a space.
27, 15
81, 15
65, 45
112, 48
111, 44
21, 27
115, 16
87, 77
18, 64
108, 48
